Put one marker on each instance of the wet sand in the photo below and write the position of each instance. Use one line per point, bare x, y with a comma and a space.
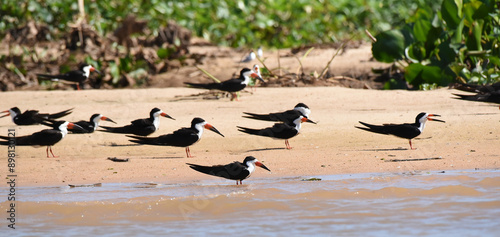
468, 140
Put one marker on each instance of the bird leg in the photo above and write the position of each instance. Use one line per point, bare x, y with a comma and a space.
188, 153
287, 144
50, 147
234, 96
411, 147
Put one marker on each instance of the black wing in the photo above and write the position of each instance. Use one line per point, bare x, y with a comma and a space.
234, 171
406, 130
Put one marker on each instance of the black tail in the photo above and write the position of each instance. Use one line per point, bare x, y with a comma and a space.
60, 114
465, 97
143, 140
209, 86
48, 77
249, 130
265, 117
201, 168
115, 129
373, 128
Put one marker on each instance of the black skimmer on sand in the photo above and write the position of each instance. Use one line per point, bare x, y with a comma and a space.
406, 130
285, 117
32, 117
79, 76
279, 130
232, 85
141, 127
235, 171
46, 137
183, 137
91, 125
484, 93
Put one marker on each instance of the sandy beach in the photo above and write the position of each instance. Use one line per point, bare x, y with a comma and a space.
468, 140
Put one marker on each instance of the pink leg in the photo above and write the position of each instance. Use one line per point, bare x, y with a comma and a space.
50, 147
411, 147
287, 144
188, 152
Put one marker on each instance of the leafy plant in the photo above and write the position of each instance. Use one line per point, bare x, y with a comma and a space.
458, 42
240, 23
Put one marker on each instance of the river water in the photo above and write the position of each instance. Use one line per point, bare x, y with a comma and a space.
434, 203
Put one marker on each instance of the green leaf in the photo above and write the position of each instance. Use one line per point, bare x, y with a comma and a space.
451, 11
413, 73
421, 29
389, 47
474, 41
162, 53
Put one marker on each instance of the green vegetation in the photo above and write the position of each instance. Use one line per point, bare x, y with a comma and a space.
461, 41
248, 23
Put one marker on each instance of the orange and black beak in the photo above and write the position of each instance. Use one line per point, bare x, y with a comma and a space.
75, 126
262, 166
166, 115
92, 69
304, 119
103, 118
433, 119
213, 129
5, 115
257, 76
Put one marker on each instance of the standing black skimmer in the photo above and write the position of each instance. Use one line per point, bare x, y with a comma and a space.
285, 117
183, 137
232, 85
235, 171
92, 125
46, 137
141, 127
79, 76
405, 130
279, 130
32, 117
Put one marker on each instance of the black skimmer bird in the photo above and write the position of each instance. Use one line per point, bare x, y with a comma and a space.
79, 76
285, 117
253, 81
183, 137
92, 125
141, 127
484, 93
32, 117
46, 137
405, 130
232, 85
235, 171
279, 130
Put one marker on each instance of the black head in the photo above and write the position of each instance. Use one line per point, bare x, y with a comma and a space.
301, 105
82, 65
15, 110
196, 121
244, 70
153, 111
420, 116
249, 158
94, 116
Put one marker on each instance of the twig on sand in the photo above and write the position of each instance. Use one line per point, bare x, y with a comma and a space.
264, 65
420, 159
208, 74
342, 46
